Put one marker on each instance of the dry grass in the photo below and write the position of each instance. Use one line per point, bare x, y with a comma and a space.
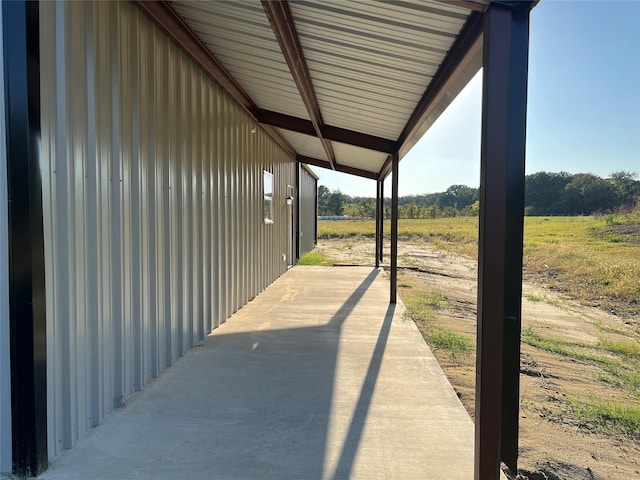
576, 256
571, 255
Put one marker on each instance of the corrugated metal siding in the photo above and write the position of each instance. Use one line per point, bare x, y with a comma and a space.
308, 210
152, 191
5, 359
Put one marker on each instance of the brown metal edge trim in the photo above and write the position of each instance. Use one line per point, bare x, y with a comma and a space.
309, 171
386, 168
457, 55
338, 168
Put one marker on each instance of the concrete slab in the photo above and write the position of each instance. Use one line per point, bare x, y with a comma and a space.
316, 378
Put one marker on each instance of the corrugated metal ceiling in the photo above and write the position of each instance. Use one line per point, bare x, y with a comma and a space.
305, 145
360, 158
239, 35
378, 40
369, 64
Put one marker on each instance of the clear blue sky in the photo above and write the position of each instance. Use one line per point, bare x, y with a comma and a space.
583, 110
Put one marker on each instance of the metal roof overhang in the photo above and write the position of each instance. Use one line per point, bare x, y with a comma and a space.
339, 85
352, 86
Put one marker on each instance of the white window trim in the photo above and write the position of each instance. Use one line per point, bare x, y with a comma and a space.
268, 219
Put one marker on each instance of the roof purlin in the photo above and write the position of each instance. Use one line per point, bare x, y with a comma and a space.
281, 19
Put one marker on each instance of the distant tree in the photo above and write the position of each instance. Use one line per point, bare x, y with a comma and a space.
459, 197
543, 193
351, 210
368, 208
432, 211
474, 209
546, 193
413, 211
336, 203
587, 194
626, 187
323, 200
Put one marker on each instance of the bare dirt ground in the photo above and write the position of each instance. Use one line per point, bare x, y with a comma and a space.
551, 446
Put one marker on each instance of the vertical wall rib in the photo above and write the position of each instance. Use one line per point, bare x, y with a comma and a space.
153, 208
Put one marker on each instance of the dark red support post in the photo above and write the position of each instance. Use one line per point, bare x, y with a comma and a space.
394, 229
381, 249
381, 246
377, 254
505, 58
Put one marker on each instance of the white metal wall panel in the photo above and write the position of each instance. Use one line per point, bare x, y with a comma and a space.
5, 358
308, 209
152, 192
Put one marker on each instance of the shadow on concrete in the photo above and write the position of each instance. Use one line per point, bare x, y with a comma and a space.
274, 397
311, 380
350, 447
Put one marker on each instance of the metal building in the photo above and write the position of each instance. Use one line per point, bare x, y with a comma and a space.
308, 225
152, 181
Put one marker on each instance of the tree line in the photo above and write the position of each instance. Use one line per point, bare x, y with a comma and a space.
546, 193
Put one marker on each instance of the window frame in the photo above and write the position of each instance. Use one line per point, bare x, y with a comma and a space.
267, 205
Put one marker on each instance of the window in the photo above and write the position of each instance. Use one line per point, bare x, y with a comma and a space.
268, 196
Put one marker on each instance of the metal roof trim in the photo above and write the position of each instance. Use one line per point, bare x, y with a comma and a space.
309, 170
462, 60
338, 168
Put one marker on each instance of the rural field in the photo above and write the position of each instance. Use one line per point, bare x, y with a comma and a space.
580, 361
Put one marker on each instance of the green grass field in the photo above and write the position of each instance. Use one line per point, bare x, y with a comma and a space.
595, 260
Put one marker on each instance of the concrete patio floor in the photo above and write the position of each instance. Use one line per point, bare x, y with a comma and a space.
317, 378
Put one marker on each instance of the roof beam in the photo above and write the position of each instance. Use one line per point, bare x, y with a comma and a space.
281, 19
336, 134
338, 168
460, 65
169, 20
